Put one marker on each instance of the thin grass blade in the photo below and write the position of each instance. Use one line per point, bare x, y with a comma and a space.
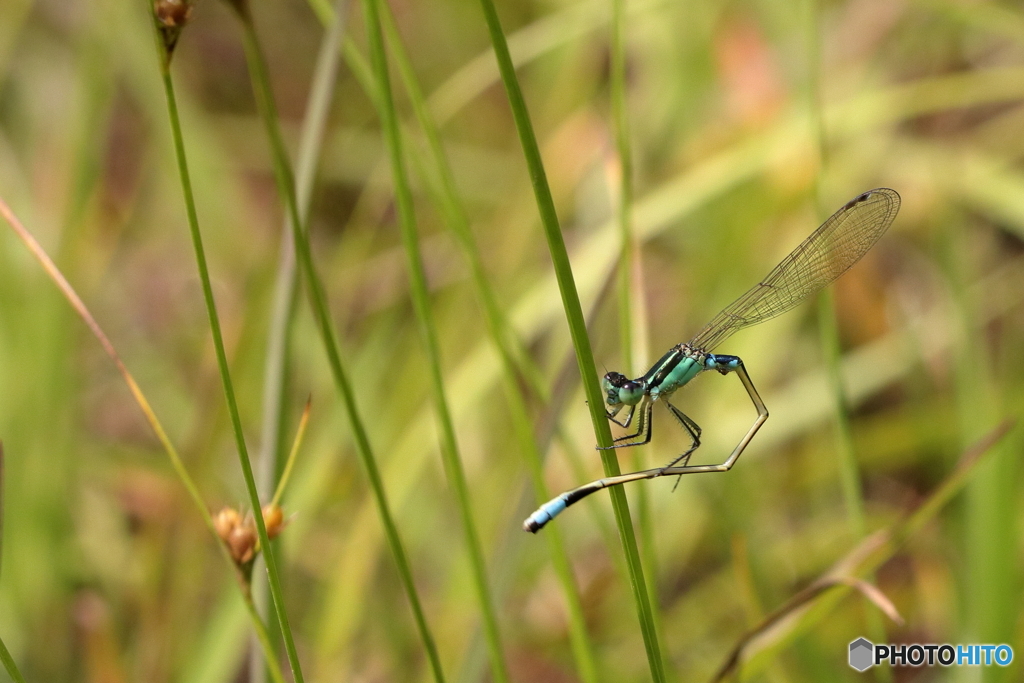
315, 288
578, 331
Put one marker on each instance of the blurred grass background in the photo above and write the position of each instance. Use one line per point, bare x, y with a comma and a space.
107, 573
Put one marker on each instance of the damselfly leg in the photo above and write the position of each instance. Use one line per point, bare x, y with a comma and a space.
642, 435
693, 429
612, 414
721, 363
725, 365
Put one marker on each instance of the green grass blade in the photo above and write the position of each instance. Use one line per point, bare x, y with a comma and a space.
502, 336
849, 469
274, 401
785, 624
286, 186
991, 592
1, 503
222, 361
223, 636
620, 120
630, 295
147, 410
421, 304
578, 331
313, 127
9, 665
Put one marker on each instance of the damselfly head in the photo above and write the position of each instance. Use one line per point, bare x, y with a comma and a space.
621, 389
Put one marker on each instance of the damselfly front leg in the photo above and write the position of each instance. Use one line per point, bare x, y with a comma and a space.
642, 435
612, 414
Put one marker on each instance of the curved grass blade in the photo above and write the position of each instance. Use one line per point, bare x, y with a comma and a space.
828, 325
799, 614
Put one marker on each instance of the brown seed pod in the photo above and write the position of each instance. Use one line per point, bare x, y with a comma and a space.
226, 521
242, 543
172, 13
273, 517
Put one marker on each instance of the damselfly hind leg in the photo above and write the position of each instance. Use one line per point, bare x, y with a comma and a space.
725, 365
693, 429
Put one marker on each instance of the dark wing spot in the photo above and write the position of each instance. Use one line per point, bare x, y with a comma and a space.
857, 200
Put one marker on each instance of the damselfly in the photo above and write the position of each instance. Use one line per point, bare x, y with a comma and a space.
821, 258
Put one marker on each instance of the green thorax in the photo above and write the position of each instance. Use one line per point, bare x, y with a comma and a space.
676, 368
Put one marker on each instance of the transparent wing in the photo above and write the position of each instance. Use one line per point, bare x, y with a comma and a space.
821, 258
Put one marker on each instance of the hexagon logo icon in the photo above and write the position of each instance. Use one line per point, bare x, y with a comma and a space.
861, 654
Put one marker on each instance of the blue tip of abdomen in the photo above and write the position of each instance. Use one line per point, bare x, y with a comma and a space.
544, 514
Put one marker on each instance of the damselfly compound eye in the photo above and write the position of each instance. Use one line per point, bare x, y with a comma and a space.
631, 392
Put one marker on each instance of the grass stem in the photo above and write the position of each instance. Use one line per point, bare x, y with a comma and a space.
632, 311
276, 591
274, 414
318, 299
828, 326
501, 335
9, 665
147, 410
421, 304
578, 332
